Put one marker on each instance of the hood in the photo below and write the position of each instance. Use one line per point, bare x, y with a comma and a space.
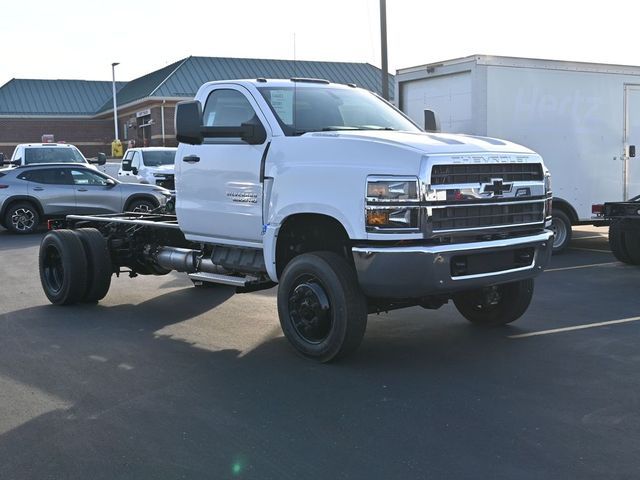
161, 169
433, 143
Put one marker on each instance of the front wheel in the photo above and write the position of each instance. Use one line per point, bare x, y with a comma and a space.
561, 228
22, 218
141, 206
322, 310
496, 305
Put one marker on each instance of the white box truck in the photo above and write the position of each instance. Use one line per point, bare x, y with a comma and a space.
583, 118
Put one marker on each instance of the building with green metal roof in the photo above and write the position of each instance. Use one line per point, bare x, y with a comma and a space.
81, 112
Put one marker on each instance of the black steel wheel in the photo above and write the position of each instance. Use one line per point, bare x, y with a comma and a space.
99, 264
322, 311
63, 267
495, 305
22, 217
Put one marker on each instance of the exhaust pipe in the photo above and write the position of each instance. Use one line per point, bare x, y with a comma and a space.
185, 260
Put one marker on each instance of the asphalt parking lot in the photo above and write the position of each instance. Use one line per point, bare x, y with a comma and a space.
162, 380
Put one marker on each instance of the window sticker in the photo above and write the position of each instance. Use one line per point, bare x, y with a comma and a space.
282, 103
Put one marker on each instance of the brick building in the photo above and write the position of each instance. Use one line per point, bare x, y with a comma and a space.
81, 112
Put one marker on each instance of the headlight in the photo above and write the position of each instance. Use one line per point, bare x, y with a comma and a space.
392, 204
392, 190
547, 183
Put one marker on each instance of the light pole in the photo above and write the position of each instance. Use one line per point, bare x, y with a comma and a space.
383, 49
115, 103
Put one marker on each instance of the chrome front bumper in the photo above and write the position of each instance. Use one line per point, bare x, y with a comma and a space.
416, 271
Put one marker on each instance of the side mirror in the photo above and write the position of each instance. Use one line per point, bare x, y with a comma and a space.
431, 122
1, 157
632, 151
254, 132
16, 163
102, 158
111, 182
134, 170
188, 123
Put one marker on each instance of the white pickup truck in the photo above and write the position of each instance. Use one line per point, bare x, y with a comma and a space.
335, 195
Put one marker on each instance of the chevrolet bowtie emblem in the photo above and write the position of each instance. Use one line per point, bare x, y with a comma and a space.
496, 187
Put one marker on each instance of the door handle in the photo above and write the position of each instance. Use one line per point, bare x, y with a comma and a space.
82, 190
38, 189
191, 159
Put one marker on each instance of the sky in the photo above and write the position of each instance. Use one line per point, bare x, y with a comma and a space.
79, 39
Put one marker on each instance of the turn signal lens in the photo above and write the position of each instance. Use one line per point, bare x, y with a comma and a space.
377, 218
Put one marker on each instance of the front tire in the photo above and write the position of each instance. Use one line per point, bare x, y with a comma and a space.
322, 310
561, 228
141, 206
63, 267
496, 305
22, 218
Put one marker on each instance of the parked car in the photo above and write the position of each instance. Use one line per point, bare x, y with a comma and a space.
153, 165
32, 193
38, 153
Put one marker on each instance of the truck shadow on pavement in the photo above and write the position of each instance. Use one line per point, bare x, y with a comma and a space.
114, 399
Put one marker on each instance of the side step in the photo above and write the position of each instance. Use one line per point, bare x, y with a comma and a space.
219, 278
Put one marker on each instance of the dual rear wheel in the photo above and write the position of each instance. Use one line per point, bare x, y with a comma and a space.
624, 243
75, 266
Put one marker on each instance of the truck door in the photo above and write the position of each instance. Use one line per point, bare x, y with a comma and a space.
219, 187
631, 141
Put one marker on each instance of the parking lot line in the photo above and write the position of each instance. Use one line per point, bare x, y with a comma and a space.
575, 327
590, 236
589, 249
580, 266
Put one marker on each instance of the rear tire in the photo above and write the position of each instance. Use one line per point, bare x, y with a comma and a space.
98, 262
618, 243
497, 305
322, 310
561, 228
632, 243
63, 267
22, 218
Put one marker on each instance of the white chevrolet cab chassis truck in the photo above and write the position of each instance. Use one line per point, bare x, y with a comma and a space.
332, 193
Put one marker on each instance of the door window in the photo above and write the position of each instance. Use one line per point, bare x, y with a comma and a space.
88, 178
135, 163
227, 108
126, 162
49, 176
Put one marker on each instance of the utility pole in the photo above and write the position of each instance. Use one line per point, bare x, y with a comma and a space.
383, 49
115, 103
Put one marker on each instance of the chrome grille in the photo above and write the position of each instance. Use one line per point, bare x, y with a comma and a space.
483, 173
472, 217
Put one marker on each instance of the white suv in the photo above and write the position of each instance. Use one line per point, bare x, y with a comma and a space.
152, 165
37, 153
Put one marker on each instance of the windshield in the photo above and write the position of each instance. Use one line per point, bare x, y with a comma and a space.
158, 157
52, 155
326, 109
